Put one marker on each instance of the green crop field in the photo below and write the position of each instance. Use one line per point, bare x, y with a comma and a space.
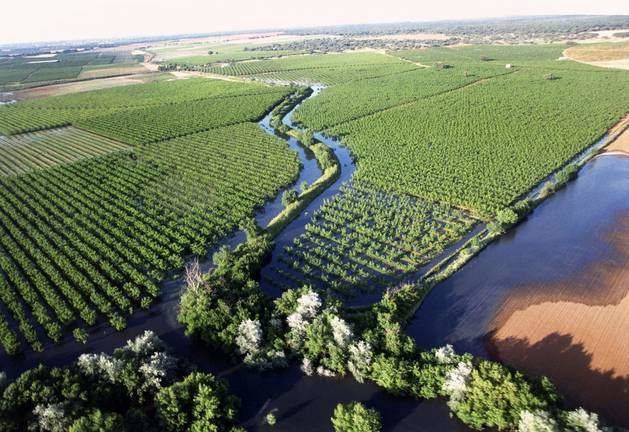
146, 125
89, 226
351, 100
153, 99
364, 240
476, 146
366, 203
26, 152
93, 238
310, 69
60, 67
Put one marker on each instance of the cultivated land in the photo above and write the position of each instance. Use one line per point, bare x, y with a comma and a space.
93, 238
27, 71
105, 194
36, 150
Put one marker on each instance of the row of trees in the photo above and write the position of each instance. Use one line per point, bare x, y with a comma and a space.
229, 312
140, 387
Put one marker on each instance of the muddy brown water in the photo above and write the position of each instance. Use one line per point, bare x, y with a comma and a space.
546, 279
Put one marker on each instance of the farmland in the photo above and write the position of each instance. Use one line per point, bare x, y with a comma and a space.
363, 240
23, 71
482, 145
90, 226
327, 69
26, 152
283, 209
138, 107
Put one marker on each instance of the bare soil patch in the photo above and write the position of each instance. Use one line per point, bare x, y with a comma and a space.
599, 52
619, 137
81, 86
576, 331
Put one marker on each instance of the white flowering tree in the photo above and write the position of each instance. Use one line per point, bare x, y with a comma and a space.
455, 384
538, 421
51, 418
249, 339
360, 356
581, 420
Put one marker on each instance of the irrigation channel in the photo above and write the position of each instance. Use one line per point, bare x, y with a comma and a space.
303, 403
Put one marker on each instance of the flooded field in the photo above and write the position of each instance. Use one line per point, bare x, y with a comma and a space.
552, 296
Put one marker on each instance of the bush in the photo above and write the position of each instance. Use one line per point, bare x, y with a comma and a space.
506, 217
200, 402
289, 197
355, 417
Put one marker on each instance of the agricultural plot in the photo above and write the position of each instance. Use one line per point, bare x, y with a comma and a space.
335, 75
102, 71
320, 68
147, 125
18, 71
364, 240
91, 240
208, 53
354, 99
482, 146
20, 154
56, 111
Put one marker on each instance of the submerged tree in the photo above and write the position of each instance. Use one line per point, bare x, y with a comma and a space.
355, 417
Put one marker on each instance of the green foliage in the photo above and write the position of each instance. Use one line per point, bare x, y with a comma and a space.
199, 403
497, 395
289, 197
507, 217
312, 69
151, 100
97, 421
230, 295
362, 238
80, 335
355, 417
349, 101
270, 418
476, 146
97, 236
118, 392
23, 153
159, 123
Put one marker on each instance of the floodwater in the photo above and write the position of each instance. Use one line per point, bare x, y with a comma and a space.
298, 226
302, 403
546, 297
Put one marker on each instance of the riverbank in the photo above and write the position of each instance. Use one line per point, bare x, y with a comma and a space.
619, 138
548, 297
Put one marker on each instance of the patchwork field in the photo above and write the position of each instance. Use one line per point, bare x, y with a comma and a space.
137, 108
311, 69
23, 153
23, 71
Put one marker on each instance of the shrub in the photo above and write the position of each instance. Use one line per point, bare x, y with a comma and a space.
355, 417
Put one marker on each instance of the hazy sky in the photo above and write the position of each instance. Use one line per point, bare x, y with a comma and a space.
40, 20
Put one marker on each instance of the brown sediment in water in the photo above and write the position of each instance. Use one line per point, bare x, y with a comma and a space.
575, 331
